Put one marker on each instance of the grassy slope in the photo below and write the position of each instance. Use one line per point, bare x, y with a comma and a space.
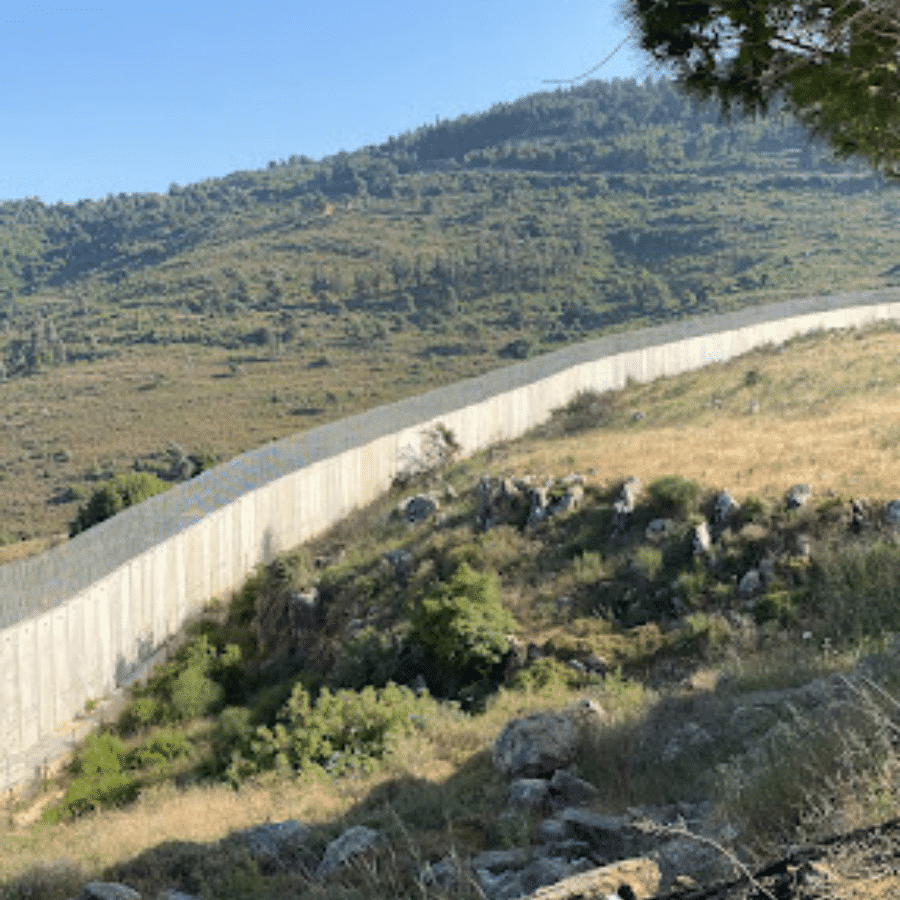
825, 416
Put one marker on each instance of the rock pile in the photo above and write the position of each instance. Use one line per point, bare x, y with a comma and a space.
503, 501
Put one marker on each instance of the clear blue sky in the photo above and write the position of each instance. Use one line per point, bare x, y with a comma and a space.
101, 97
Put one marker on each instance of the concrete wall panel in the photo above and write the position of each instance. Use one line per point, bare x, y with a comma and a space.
103, 642
29, 684
11, 708
63, 707
77, 644
45, 692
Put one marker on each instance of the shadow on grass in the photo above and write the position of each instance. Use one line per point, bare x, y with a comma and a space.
420, 821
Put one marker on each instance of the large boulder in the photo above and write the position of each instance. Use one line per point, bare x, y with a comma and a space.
571, 499
536, 746
275, 846
701, 542
108, 890
798, 495
419, 508
341, 850
571, 789
529, 794
403, 564
641, 875
628, 496
892, 513
750, 585
304, 610
724, 508
658, 529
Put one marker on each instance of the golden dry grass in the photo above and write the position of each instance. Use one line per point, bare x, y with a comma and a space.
829, 416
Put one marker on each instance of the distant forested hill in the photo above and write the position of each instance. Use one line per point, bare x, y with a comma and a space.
555, 215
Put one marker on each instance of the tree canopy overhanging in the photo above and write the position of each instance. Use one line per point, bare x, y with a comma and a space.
834, 63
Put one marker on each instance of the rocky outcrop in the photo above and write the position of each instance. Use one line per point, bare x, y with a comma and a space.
750, 585
658, 529
701, 541
304, 610
275, 846
535, 746
419, 508
891, 513
402, 563
353, 842
639, 876
628, 496
798, 496
503, 501
724, 508
108, 890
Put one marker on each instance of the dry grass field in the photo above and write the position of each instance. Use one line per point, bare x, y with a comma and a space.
824, 410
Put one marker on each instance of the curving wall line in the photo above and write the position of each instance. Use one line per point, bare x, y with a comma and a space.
88, 617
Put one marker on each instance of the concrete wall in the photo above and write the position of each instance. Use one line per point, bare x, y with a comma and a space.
86, 618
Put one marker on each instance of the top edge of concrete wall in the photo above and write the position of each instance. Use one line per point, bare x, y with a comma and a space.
29, 587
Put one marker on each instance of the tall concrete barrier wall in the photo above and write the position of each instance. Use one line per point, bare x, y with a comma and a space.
89, 616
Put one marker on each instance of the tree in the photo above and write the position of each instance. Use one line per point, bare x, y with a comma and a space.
835, 64
115, 495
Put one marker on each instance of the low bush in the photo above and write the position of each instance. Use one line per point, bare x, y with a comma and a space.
588, 409
338, 731
368, 658
100, 779
140, 713
674, 496
163, 747
852, 591
198, 681
460, 630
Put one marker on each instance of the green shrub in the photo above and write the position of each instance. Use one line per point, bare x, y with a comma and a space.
587, 409
338, 731
548, 675
647, 561
776, 605
461, 627
195, 683
99, 779
368, 658
140, 713
700, 632
753, 509
674, 496
161, 748
853, 591
691, 586
115, 495
194, 694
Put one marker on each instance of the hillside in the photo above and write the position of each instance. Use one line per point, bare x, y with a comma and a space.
746, 682
273, 300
